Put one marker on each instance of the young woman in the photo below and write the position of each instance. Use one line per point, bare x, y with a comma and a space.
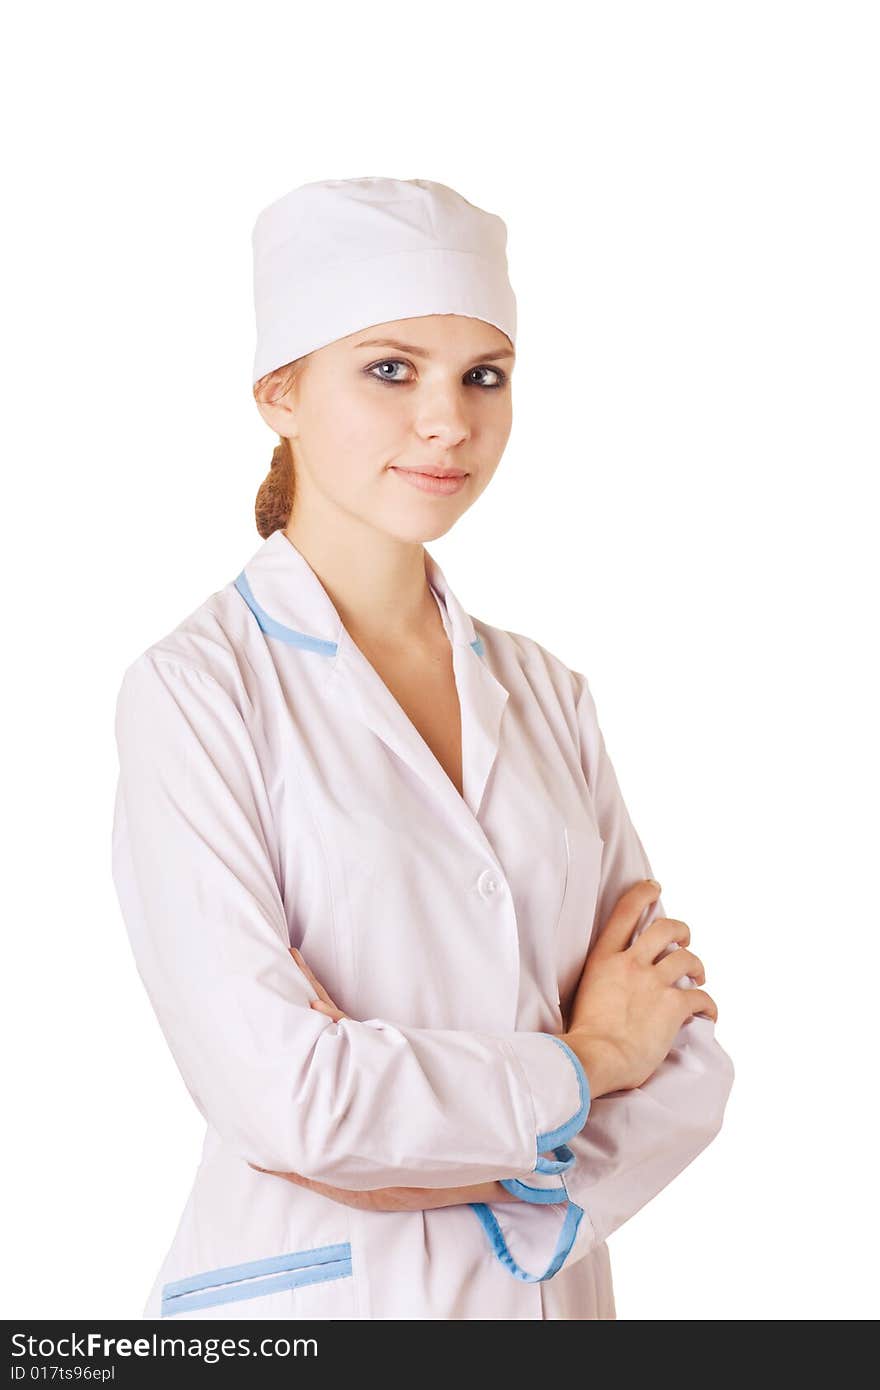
380, 883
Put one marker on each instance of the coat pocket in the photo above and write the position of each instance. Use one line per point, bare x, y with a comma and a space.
256, 1278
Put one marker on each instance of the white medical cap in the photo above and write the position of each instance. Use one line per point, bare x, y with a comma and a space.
340, 255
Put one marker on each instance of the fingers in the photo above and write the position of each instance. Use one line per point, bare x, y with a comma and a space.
306, 970
312, 978
278, 1173
616, 933
696, 1003
323, 1004
330, 1010
657, 936
681, 962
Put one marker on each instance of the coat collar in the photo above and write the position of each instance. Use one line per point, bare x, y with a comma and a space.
292, 606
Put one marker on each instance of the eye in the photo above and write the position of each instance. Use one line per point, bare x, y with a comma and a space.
501, 377
383, 371
385, 376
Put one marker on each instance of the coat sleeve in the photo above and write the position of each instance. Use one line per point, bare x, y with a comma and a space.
359, 1105
634, 1142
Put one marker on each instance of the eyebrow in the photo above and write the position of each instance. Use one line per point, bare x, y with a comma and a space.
420, 352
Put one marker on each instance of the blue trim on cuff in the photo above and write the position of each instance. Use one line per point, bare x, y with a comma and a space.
563, 1159
573, 1126
517, 1188
500, 1249
561, 1164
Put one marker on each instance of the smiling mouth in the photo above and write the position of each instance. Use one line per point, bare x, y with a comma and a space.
433, 472
441, 484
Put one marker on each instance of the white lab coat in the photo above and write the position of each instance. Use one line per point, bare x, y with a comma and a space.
272, 792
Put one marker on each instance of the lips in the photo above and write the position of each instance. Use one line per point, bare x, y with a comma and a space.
436, 472
440, 484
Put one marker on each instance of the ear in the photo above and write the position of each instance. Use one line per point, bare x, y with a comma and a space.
279, 415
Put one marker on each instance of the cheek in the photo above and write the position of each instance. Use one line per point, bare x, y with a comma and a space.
499, 429
491, 423
350, 440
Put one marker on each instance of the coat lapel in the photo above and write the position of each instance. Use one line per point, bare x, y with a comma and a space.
293, 607
481, 696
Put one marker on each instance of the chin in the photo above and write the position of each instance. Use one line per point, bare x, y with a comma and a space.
417, 532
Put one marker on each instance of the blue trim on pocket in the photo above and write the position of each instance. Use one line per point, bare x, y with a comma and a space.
500, 1249
272, 628
224, 1284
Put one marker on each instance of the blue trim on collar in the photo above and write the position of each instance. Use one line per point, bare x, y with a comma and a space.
278, 630
272, 628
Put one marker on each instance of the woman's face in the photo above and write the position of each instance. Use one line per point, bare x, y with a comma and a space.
369, 410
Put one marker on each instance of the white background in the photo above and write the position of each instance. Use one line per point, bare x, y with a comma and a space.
683, 512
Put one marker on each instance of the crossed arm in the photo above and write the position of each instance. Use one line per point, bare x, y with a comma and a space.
384, 1198
192, 861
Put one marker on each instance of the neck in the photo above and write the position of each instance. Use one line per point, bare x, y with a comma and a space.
376, 583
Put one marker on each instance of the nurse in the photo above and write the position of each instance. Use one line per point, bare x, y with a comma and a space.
381, 886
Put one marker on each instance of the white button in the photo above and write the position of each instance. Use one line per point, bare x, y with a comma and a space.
487, 883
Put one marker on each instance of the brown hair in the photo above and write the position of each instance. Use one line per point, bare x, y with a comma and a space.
275, 495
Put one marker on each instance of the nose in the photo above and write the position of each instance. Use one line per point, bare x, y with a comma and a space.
441, 415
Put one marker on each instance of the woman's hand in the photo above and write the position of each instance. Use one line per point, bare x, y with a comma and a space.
323, 1004
383, 1198
399, 1198
628, 1007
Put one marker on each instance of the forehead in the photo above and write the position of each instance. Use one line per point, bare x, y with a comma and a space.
430, 334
